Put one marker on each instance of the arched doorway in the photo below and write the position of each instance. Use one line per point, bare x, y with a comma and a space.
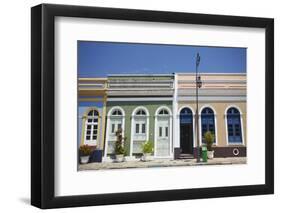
163, 120
186, 131
139, 129
115, 121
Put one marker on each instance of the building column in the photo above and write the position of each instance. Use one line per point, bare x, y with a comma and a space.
103, 123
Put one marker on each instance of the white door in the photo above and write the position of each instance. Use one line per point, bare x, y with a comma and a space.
163, 137
115, 124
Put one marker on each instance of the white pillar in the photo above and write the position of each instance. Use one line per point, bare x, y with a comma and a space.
175, 115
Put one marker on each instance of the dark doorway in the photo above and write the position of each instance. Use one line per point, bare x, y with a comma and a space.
186, 131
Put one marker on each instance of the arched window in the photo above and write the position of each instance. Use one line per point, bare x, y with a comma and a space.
116, 112
186, 116
91, 127
163, 112
207, 122
140, 124
234, 131
116, 121
140, 112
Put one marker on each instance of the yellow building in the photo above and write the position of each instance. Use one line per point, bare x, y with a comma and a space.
222, 110
92, 95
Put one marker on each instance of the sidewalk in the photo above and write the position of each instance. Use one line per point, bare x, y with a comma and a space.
160, 163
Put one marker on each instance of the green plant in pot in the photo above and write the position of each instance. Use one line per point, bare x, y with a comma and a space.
85, 152
147, 149
209, 138
119, 146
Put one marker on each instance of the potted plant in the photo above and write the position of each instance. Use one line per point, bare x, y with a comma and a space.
209, 139
147, 149
119, 146
85, 152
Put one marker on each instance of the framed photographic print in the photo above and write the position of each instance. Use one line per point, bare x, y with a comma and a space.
139, 106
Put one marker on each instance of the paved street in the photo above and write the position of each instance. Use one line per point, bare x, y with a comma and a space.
160, 163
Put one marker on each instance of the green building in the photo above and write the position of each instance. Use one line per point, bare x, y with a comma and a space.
142, 106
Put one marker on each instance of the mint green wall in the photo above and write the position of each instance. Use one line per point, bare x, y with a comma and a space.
129, 107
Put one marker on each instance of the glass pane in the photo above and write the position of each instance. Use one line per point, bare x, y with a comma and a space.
186, 111
90, 120
140, 112
231, 139
95, 120
88, 126
90, 113
167, 131
96, 113
95, 126
87, 137
119, 126
95, 132
143, 128
211, 128
160, 131
88, 132
137, 128
112, 128
94, 137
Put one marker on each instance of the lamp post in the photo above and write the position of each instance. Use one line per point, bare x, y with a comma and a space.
198, 85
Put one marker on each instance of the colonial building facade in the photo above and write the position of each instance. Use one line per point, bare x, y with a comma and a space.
221, 108
161, 109
142, 106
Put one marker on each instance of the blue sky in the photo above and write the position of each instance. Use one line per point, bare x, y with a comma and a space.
98, 59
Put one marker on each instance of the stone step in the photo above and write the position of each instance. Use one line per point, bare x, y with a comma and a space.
186, 156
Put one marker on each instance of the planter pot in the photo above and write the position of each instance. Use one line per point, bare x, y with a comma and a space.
84, 159
147, 157
210, 154
119, 158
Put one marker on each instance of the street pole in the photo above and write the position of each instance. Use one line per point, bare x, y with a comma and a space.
198, 84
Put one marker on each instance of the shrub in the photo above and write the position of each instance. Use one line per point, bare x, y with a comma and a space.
119, 144
209, 139
85, 150
147, 147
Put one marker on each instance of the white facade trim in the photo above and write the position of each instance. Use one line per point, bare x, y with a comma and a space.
200, 126
213, 73
212, 98
108, 125
175, 141
133, 125
141, 99
241, 123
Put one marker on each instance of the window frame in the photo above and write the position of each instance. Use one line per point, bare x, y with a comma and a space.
241, 126
91, 141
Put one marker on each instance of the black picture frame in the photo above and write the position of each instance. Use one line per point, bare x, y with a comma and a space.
43, 102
